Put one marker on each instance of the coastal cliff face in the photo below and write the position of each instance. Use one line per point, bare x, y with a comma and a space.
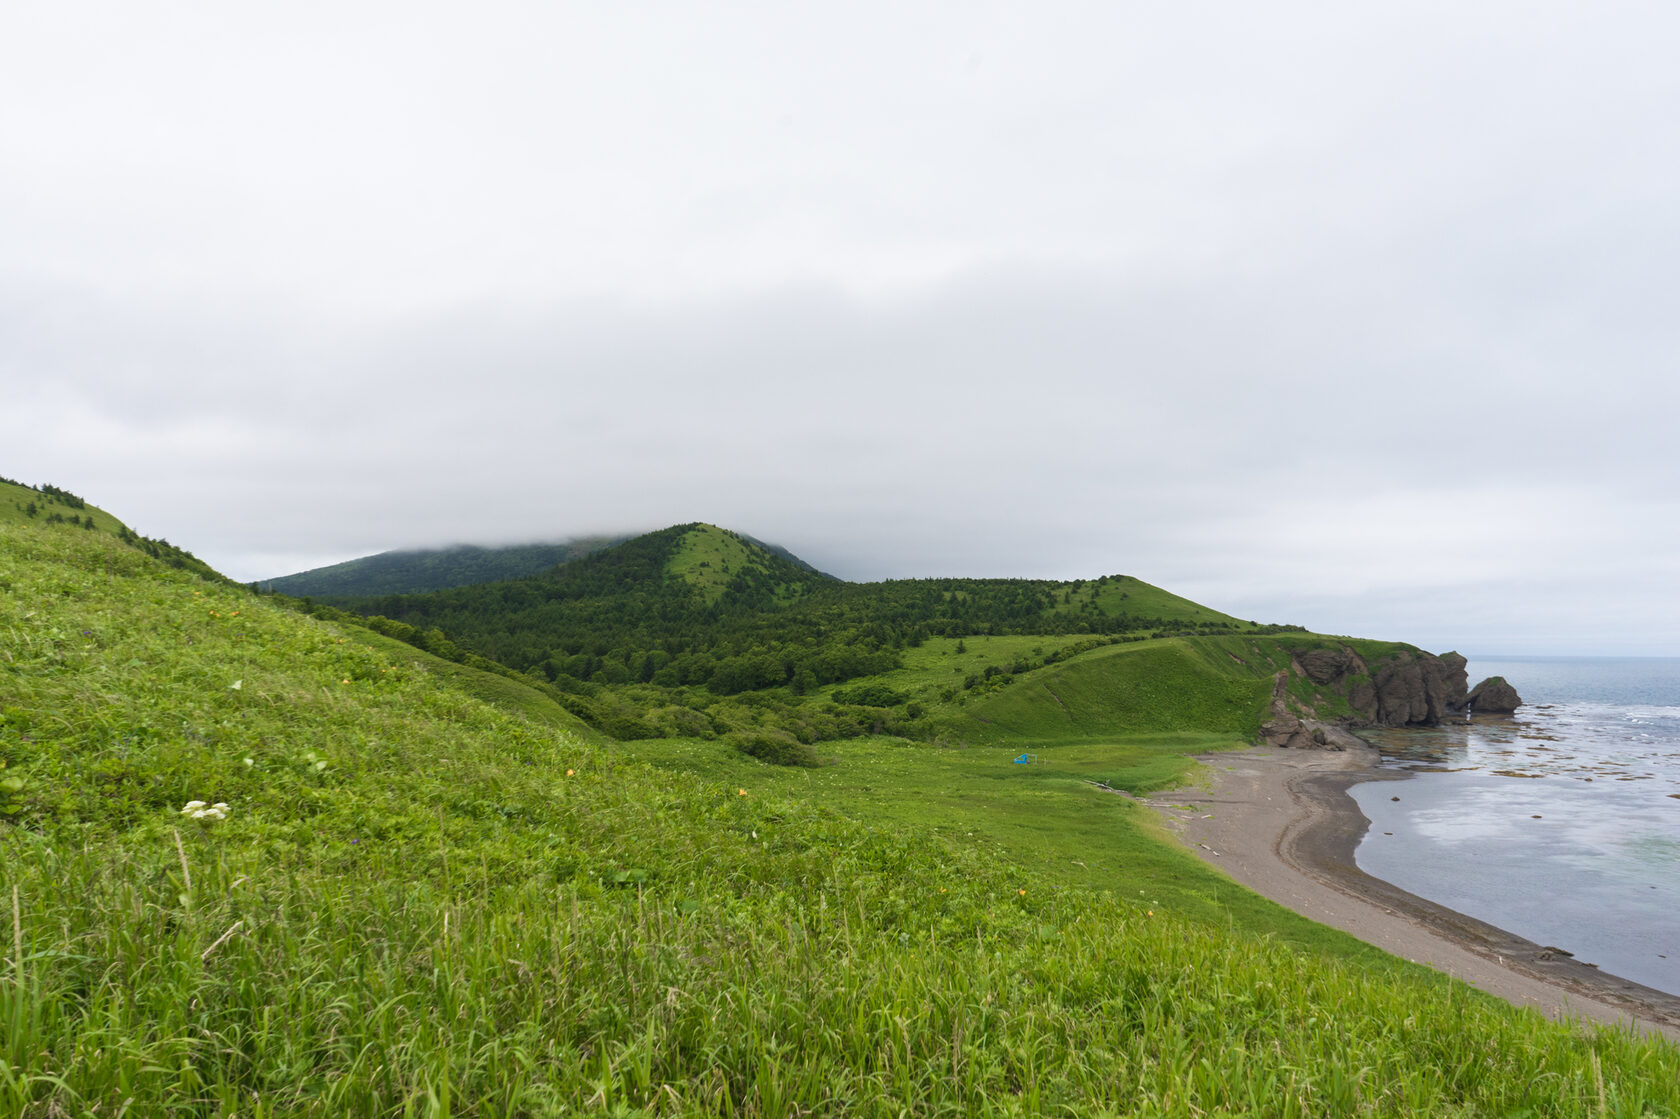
1327, 690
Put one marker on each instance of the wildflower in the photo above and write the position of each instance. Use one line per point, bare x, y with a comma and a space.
569, 772
1023, 893
192, 806
236, 685
742, 793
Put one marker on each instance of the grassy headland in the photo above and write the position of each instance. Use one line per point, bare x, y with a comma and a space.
425, 901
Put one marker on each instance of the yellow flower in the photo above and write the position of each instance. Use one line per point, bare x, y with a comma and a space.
1023, 893
742, 793
568, 773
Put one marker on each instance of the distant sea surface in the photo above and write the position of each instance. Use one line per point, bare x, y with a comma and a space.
1560, 824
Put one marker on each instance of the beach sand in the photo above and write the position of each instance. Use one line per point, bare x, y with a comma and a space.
1281, 823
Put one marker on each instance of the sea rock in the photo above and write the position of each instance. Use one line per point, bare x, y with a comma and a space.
1493, 696
1413, 689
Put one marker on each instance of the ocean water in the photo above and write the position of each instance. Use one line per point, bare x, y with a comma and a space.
1560, 824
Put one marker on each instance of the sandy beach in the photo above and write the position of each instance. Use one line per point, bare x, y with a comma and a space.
1281, 823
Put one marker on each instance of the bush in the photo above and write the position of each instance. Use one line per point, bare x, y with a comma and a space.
868, 695
773, 746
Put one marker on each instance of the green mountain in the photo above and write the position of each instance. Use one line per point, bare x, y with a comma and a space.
432, 569
678, 619
699, 605
258, 862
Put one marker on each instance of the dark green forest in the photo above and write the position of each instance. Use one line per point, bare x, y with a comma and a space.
433, 569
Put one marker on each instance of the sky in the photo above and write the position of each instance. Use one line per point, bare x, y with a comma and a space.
1358, 317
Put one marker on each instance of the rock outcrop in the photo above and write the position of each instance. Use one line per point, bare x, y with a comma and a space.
1407, 688
1295, 733
1413, 689
1492, 696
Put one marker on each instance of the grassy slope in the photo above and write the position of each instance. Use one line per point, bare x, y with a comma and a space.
1048, 816
501, 691
15, 499
1197, 683
467, 911
709, 558
1124, 594
1154, 686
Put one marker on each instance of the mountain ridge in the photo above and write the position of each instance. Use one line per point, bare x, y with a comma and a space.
417, 570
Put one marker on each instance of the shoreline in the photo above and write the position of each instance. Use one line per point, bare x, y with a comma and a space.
1281, 822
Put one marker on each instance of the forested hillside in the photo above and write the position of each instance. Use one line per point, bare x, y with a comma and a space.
675, 620
434, 569
696, 605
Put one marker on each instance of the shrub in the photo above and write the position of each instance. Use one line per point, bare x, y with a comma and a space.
773, 746
868, 695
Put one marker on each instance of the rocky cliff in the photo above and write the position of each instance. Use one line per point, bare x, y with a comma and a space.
1329, 689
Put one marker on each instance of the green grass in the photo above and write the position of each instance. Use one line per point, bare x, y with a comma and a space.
502, 691
425, 904
1127, 595
1048, 816
15, 501
936, 664
709, 558
1164, 685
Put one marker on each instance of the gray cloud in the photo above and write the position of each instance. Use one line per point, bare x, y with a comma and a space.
1357, 319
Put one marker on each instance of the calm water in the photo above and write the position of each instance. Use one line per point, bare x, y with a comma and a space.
1560, 824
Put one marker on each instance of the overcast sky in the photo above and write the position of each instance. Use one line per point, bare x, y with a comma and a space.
1356, 316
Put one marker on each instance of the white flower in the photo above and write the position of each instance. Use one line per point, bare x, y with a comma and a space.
198, 810
236, 685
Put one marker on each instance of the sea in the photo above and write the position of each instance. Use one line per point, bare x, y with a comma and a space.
1560, 823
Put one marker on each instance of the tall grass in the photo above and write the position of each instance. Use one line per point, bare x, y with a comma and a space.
466, 912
